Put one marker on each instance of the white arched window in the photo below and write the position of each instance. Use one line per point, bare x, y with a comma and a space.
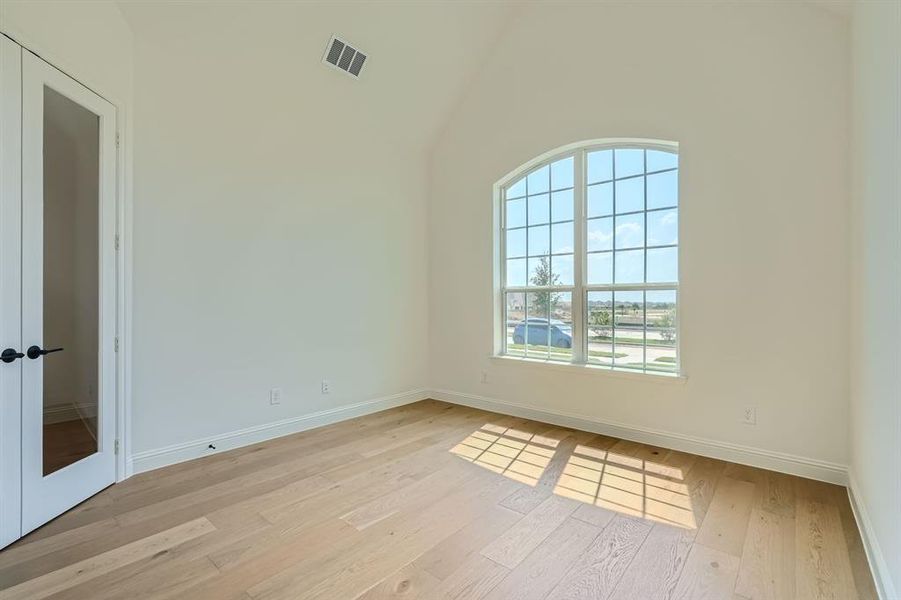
588, 247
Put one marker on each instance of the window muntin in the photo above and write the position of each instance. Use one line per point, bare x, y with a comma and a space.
589, 259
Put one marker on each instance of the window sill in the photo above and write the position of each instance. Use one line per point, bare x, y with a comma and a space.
649, 377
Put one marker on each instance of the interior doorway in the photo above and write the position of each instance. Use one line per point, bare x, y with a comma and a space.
58, 285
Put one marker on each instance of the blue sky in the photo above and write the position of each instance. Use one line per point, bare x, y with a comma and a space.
548, 210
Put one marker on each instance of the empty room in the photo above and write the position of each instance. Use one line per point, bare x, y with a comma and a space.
450, 299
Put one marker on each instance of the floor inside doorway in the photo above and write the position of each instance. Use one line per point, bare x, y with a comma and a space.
66, 443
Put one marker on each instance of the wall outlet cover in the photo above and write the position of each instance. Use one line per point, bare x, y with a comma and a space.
749, 415
275, 396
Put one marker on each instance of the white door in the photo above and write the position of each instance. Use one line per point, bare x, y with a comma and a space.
67, 273
10, 290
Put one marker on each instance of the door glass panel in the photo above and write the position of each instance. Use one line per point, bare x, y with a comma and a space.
71, 281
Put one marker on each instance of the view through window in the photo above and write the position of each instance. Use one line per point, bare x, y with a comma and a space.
589, 268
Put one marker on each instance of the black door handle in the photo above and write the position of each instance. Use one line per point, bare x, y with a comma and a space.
9, 355
35, 351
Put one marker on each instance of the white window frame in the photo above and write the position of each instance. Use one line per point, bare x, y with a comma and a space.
580, 287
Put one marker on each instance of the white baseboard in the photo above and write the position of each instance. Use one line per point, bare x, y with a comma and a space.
69, 411
88, 415
885, 587
176, 453
60, 413
746, 455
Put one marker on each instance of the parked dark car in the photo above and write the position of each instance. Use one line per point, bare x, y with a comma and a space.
536, 330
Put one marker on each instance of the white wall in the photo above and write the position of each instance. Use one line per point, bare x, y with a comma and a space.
279, 229
757, 97
876, 219
90, 40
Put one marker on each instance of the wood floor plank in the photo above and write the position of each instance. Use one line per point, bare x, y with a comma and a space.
304, 482
161, 575
362, 488
818, 491
653, 456
134, 509
20, 553
388, 545
709, 574
473, 580
440, 423
64, 557
767, 569
95, 508
598, 571
409, 582
431, 487
271, 555
340, 438
860, 566
46, 585
655, 570
775, 492
129, 530
446, 557
144, 581
517, 542
545, 566
726, 523
581, 480
148, 488
626, 448
594, 515
822, 564
527, 498
681, 462
428, 445
701, 482
777, 495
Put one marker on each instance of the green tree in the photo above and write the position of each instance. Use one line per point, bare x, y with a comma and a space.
668, 320
545, 301
601, 322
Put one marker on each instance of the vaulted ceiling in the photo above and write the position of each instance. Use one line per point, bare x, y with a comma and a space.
421, 54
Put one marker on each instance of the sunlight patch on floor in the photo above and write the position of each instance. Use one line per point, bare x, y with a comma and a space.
627, 485
513, 453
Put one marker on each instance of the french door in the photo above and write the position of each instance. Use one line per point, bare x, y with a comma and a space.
57, 292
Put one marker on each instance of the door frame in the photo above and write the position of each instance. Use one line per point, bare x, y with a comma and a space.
123, 283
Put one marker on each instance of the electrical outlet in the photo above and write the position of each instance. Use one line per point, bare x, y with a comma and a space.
749, 416
484, 378
326, 386
275, 396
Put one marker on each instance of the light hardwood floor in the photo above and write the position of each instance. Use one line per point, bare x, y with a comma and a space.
432, 500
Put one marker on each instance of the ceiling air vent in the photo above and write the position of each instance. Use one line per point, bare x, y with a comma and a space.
343, 56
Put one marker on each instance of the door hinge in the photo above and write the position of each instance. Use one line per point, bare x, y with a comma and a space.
117, 241
116, 447
116, 344
117, 139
